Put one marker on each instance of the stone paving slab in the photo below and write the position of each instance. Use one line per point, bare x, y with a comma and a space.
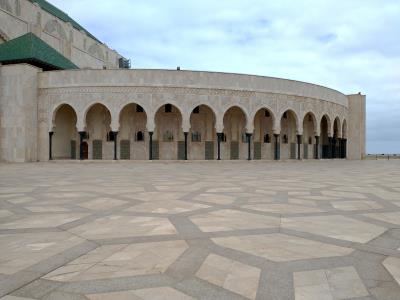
200, 230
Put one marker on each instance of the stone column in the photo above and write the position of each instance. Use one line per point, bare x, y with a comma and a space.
316, 147
339, 147
151, 145
115, 133
248, 135
82, 135
299, 146
51, 145
186, 144
277, 154
330, 139
219, 138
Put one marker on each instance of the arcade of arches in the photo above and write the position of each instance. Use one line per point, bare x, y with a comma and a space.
202, 141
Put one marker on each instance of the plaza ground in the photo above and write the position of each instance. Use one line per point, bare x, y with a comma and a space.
200, 230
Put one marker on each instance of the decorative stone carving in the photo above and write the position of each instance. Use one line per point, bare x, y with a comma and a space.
53, 27
96, 51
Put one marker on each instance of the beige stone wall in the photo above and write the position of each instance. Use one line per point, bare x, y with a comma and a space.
18, 113
18, 17
105, 100
186, 90
356, 129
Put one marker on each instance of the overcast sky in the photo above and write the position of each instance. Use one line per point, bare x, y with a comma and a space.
352, 46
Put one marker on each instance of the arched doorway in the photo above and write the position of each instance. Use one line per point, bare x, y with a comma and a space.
263, 134
168, 142
132, 133
309, 128
288, 135
202, 134
324, 139
99, 136
336, 138
65, 138
234, 135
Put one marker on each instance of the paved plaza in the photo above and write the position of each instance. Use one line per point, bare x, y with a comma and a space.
313, 230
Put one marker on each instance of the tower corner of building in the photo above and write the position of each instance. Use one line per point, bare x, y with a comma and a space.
356, 138
18, 112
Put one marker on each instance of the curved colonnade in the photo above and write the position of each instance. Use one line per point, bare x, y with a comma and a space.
169, 115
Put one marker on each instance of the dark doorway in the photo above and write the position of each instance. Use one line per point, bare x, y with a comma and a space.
85, 150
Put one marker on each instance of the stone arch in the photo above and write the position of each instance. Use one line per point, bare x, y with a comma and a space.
65, 135
344, 129
99, 131
310, 130
271, 112
132, 132
295, 117
289, 128
83, 116
202, 134
336, 129
329, 123
242, 108
235, 122
54, 111
168, 133
263, 136
151, 115
336, 138
325, 136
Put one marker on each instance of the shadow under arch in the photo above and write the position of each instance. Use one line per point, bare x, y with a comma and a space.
132, 135
202, 134
234, 133
309, 133
167, 143
64, 136
289, 124
263, 136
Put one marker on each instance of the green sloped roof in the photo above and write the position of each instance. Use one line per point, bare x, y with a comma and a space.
31, 49
51, 9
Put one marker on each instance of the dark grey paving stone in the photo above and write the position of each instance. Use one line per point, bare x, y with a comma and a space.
203, 290
386, 291
63, 296
275, 285
117, 284
37, 289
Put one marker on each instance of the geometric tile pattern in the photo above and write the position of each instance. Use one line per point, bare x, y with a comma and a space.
231, 275
281, 247
200, 230
336, 283
161, 293
121, 261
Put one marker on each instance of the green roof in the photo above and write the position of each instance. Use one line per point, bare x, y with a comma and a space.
51, 9
31, 49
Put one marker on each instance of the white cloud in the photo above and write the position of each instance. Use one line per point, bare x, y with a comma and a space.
352, 46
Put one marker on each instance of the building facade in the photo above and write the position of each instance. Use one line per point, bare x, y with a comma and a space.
80, 105
170, 115
57, 29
